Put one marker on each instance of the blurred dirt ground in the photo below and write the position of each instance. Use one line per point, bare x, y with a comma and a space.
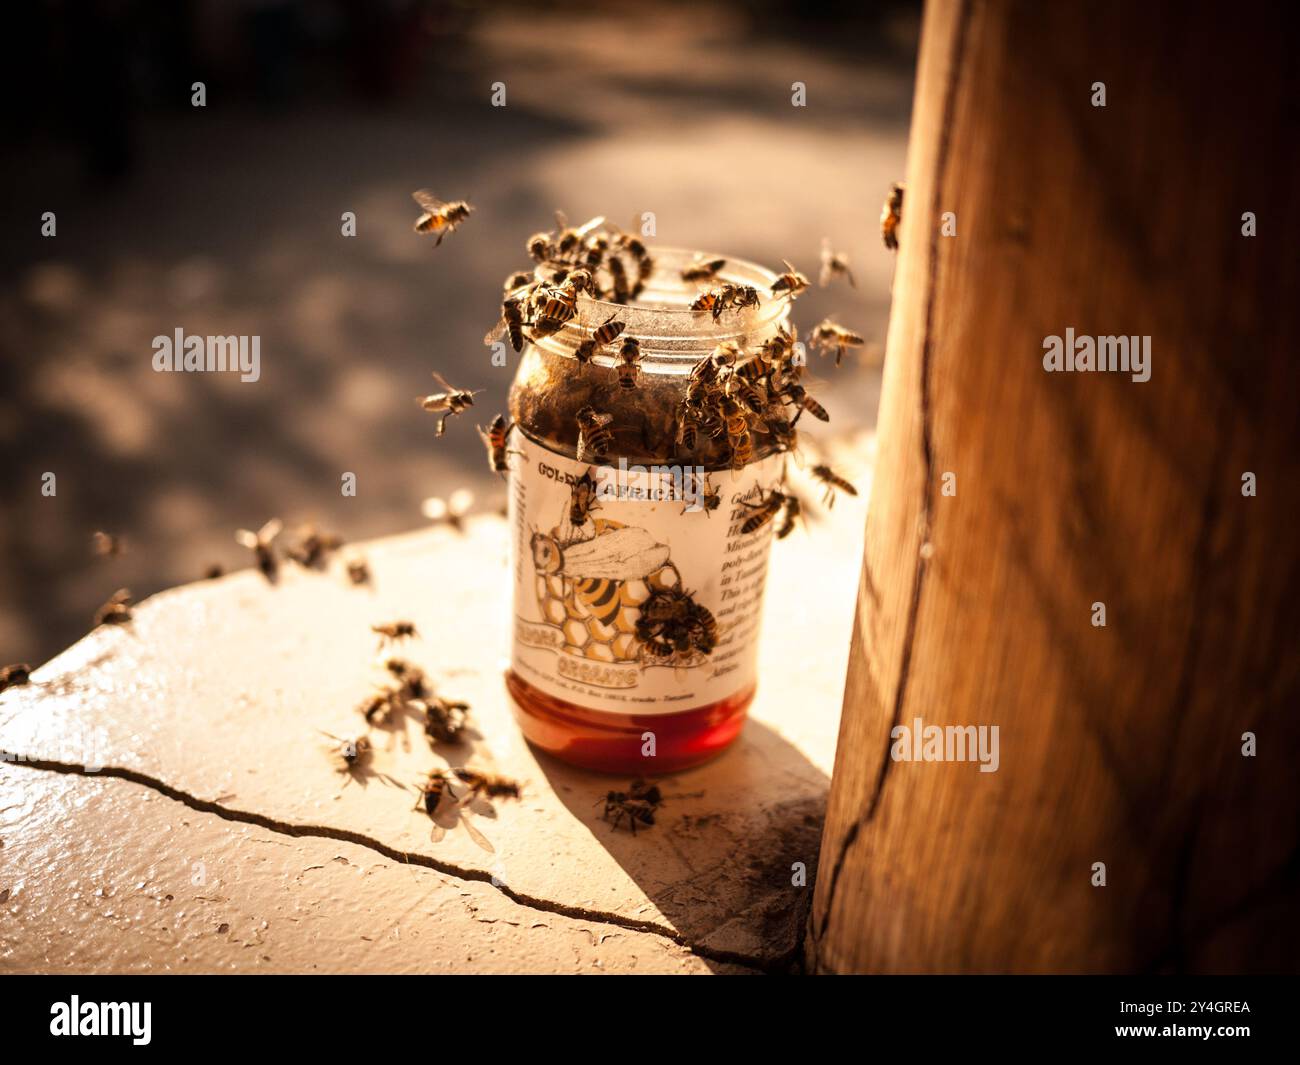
226, 220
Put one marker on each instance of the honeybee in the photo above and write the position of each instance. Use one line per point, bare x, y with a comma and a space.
602, 336
703, 269
688, 426
411, 677
636, 247
829, 334
570, 239
559, 304
728, 297
798, 397
450, 511
582, 498
394, 632
629, 367
214, 571
430, 795
106, 545
448, 402
763, 511
439, 216
380, 708
358, 571
790, 511
831, 480
744, 381
791, 281
444, 719
516, 281
261, 544
707, 301
891, 216
15, 676
498, 433
481, 782
117, 611
595, 432
431, 791
619, 808
351, 756
834, 264
596, 248
511, 324
618, 275
313, 547
710, 498
540, 247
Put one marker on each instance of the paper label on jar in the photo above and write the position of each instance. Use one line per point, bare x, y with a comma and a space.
650, 602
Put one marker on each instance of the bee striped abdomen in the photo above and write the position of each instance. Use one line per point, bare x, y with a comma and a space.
601, 597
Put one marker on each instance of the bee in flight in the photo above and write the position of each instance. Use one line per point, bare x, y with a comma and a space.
261, 544
106, 545
891, 216
763, 511
438, 215
448, 402
498, 433
831, 480
791, 509
595, 432
830, 335
394, 632
834, 264
582, 498
791, 281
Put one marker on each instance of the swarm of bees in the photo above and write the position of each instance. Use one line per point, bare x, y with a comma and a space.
633, 807
439, 216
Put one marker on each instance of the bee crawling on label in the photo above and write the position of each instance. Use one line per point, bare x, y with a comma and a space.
448, 402
261, 544
891, 216
831, 480
439, 216
710, 498
834, 264
582, 498
117, 611
394, 632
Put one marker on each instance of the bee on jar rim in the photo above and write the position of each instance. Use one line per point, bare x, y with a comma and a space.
831, 481
763, 511
582, 498
540, 247
495, 439
447, 402
570, 239
595, 432
392, 632
313, 546
106, 545
830, 335
261, 543
834, 264
439, 216
791, 281
603, 335
891, 215
618, 276
629, 364
688, 426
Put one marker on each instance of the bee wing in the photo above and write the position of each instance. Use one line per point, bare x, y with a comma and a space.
442, 382
624, 554
246, 538
475, 834
590, 224
561, 220
497, 332
435, 509
270, 530
603, 418
426, 199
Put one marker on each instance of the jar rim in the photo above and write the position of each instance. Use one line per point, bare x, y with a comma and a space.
662, 320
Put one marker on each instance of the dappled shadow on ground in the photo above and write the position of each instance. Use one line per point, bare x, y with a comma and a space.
225, 220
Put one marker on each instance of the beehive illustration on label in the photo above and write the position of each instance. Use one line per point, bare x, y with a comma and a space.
592, 587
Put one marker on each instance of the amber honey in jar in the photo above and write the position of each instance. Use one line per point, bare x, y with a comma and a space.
637, 589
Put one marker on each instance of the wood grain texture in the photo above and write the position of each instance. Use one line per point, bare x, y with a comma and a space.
1119, 744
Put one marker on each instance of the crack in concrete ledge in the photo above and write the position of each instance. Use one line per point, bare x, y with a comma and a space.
778, 964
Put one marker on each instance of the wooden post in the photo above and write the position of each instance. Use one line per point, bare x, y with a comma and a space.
1119, 744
